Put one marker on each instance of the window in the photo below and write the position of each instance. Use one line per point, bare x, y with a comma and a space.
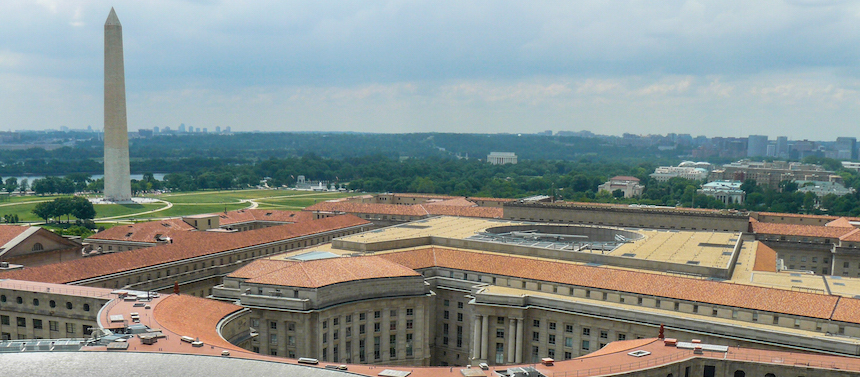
605, 296
459, 305
657, 303
393, 313
552, 325
53, 326
622, 337
460, 317
377, 327
500, 333
604, 334
335, 321
35, 302
38, 247
775, 320
409, 311
2, 298
377, 314
568, 328
273, 338
362, 316
586, 345
325, 337
291, 326
409, 324
446, 303
536, 323
500, 320
639, 301
568, 342
70, 328
755, 317
551, 339
677, 306
22, 322
796, 322
19, 300
274, 325
361, 329
714, 312
392, 325
348, 331
4, 320
536, 336
348, 319
37, 324
586, 331
695, 308
68, 305
325, 324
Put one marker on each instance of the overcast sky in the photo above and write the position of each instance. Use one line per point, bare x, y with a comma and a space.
715, 68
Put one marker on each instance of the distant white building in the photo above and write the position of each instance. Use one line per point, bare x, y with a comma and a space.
687, 170
628, 185
501, 158
821, 188
728, 192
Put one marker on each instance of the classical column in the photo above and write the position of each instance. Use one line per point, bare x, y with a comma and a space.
476, 337
512, 328
485, 327
518, 356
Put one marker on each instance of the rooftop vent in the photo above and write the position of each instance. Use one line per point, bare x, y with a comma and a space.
639, 353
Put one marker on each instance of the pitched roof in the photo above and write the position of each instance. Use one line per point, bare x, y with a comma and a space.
765, 258
840, 222
799, 230
187, 315
9, 232
269, 215
674, 287
192, 244
322, 272
369, 208
144, 232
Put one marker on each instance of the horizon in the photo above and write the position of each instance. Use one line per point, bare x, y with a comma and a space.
718, 69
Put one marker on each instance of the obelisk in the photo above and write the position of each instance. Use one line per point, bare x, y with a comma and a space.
117, 175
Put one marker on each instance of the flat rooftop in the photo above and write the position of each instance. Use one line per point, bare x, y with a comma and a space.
699, 248
62, 289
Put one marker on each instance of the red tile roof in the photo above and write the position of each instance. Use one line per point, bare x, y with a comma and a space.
840, 222
144, 232
193, 244
268, 215
765, 259
186, 315
9, 232
799, 230
323, 272
711, 292
369, 208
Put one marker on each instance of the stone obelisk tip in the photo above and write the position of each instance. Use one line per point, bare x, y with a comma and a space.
112, 19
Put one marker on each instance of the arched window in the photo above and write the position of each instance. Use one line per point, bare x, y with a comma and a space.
37, 247
2, 298
68, 305
87, 308
740, 373
52, 304
35, 302
19, 300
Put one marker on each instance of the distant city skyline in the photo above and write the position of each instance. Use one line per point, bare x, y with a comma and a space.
728, 69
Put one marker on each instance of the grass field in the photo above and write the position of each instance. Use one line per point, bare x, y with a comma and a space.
184, 204
194, 209
231, 196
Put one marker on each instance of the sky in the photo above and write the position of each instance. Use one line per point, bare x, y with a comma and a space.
714, 68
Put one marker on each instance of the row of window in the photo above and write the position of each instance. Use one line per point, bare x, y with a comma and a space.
38, 324
20, 300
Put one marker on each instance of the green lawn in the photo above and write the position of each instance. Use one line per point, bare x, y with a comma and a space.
194, 209
230, 196
111, 210
24, 211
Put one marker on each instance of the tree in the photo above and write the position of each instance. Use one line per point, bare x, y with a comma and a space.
11, 184
44, 210
82, 208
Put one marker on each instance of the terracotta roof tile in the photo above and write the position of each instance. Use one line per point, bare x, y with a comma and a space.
847, 310
369, 208
458, 202
144, 232
193, 244
705, 291
765, 259
261, 267
840, 222
269, 215
852, 236
196, 317
484, 212
799, 230
8, 232
323, 272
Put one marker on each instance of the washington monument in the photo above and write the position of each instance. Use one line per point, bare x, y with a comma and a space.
117, 175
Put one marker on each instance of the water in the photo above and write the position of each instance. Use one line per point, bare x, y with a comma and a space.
30, 178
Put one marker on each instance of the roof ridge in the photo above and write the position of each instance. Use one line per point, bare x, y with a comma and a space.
836, 305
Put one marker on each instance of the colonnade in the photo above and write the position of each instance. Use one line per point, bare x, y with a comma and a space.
481, 340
